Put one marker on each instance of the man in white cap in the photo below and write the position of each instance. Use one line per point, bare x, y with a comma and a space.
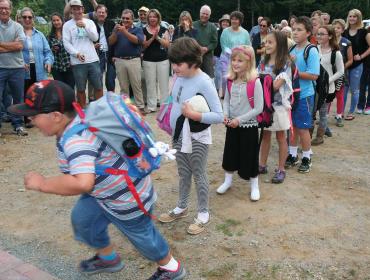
79, 35
142, 13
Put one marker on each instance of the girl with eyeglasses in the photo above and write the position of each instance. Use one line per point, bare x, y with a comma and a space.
328, 47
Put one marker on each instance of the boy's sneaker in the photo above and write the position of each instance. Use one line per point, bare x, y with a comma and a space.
278, 177
20, 131
291, 161
262, 169
367, 111
359, 111
98, 265
171, 216
162, 274
305, 166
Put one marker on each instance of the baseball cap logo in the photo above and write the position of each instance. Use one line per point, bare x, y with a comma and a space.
32, 94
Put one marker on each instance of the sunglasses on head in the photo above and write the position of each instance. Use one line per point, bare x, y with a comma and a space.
27, 17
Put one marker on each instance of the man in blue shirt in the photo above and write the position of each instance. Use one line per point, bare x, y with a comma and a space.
127, 41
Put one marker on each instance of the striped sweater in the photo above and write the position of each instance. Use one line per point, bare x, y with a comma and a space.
80, 154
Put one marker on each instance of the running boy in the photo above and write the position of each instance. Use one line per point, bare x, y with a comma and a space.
104, 199
309, 69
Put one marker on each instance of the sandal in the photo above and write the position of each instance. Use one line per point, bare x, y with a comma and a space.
349, 117
197, 227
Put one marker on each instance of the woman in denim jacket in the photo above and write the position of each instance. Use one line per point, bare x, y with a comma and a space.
37, 55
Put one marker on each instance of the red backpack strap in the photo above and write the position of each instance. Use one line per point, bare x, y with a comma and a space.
131, 187
79, 110
229, 84
250, 91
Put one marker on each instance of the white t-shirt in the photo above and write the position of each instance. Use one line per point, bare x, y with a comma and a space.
80, 40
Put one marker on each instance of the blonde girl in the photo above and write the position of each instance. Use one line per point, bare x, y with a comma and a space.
241, 143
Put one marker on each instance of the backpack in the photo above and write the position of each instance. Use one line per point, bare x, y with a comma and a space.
339, 82
119, 124
294, 98
264, 119
321, 86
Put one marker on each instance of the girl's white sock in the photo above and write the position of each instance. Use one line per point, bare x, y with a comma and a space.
226, 184
293, 150
203, 217
255, 192
178, 210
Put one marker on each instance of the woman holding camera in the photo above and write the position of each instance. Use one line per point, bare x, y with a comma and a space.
61, 68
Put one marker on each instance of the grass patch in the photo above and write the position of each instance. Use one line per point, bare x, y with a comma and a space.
227, 226
222, 271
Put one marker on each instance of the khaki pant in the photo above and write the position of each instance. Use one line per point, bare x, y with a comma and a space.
129, 73
156, 71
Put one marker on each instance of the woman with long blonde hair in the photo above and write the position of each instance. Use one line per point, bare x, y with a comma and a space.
360, 40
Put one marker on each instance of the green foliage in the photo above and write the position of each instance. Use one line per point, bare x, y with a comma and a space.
170, 9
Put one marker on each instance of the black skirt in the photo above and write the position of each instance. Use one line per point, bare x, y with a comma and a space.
241, 151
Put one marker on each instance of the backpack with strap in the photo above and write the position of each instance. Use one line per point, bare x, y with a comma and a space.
265, 118
321, 85
294, 98
119, 124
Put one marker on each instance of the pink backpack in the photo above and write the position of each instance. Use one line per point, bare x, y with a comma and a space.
264, 119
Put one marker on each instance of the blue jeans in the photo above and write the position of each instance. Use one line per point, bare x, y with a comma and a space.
354, 76
363, 101
90, 225
7, 101
14, 79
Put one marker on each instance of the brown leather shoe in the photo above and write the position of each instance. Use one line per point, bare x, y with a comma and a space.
171, 216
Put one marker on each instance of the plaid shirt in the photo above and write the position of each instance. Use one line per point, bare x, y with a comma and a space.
61, 57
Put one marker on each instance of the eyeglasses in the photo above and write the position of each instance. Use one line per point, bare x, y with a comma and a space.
125, 18
27, 17
4, 8
262, 25
321, 34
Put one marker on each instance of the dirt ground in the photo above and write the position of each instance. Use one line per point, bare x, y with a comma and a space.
313, 226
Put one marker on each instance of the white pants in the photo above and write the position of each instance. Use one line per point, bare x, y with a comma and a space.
156, 71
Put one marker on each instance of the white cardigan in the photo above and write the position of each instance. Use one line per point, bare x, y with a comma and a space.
326, 63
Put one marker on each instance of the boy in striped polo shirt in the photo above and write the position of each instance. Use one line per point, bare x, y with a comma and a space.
104, 199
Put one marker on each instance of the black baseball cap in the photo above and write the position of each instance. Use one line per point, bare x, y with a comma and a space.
45, 97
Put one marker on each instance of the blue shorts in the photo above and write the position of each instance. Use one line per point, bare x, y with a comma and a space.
302, 115
90, 225
88, 71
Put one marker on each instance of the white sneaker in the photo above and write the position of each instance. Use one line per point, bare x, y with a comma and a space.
223, 188
359, 111
255, 193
